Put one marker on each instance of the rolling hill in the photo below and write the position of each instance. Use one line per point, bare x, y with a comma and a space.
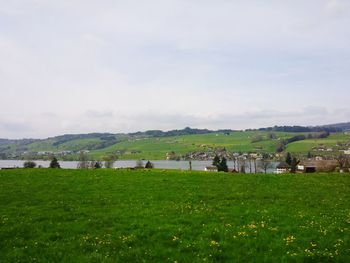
157, 144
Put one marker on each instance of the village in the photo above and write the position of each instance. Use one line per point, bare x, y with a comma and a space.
272, 162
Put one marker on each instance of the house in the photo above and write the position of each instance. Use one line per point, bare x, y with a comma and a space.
300, 168
211, 169
318, 158
282, 167
347, 152
306, 168
254, 155
312, 166
171, 156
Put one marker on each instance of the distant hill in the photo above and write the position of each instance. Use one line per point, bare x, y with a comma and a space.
185, 131
20, 141
324, 128
345, 126
73, 143
105, 138
155, 144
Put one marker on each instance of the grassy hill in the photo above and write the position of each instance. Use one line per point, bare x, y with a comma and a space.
335, 140
49, 215
156, 148
142, 146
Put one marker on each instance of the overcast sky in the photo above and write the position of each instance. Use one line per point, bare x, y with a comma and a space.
78, 66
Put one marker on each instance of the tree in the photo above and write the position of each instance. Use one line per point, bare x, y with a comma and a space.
280, 146
54, 163
83, 161
109, 160
149, 165
242, 169
216, 161
249, 163
29, 164
272, 136
265, 162
241, 165
98, 165
342, 160
255, 165
289, 159
293, 165
234, 160
95, 164
223, 165
265, 165
309, 155
139, 164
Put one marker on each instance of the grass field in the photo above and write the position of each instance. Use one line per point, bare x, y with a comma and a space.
307, 145
133, 148
172, 216
156, 148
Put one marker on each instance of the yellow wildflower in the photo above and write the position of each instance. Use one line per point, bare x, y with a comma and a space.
214, 243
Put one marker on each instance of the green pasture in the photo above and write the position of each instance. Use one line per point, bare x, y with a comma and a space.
307, 145
156, 148
104, 215
72, 145
129, 147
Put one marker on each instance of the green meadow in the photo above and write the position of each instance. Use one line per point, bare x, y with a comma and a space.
49, 215
307, 145
156, 148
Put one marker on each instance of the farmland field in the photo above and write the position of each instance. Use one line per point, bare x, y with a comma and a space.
172, 216
155, 148
307, 145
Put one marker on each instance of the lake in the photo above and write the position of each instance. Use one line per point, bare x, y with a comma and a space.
160, 164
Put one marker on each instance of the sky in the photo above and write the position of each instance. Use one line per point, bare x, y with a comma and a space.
80, 66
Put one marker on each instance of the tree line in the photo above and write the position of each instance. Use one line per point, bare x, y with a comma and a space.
84, 163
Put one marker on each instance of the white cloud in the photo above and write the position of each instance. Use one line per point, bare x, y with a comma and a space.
199, 60
337, 8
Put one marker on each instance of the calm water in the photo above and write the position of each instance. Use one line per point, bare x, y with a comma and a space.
181, 165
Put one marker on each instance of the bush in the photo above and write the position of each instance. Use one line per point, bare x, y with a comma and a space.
149, 165
83, 161
95, 165
98, 165
29, 164
221, 164
109, 160
54, 163
280, 146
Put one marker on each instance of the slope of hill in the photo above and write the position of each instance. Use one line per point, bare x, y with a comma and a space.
157, 144
157, 148
345, 126
335, 142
